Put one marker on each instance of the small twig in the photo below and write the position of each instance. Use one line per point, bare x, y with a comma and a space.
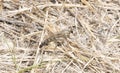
18, 23
45, 5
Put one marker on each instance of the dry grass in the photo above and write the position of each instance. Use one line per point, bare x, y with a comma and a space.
57, 36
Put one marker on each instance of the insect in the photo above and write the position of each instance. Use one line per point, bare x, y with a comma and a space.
64, 33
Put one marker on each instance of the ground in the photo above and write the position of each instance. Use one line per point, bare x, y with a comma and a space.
59, 36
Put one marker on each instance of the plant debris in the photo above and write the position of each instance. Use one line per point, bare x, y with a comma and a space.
59, 36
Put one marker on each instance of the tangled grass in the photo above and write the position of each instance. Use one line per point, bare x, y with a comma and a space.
59, 36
